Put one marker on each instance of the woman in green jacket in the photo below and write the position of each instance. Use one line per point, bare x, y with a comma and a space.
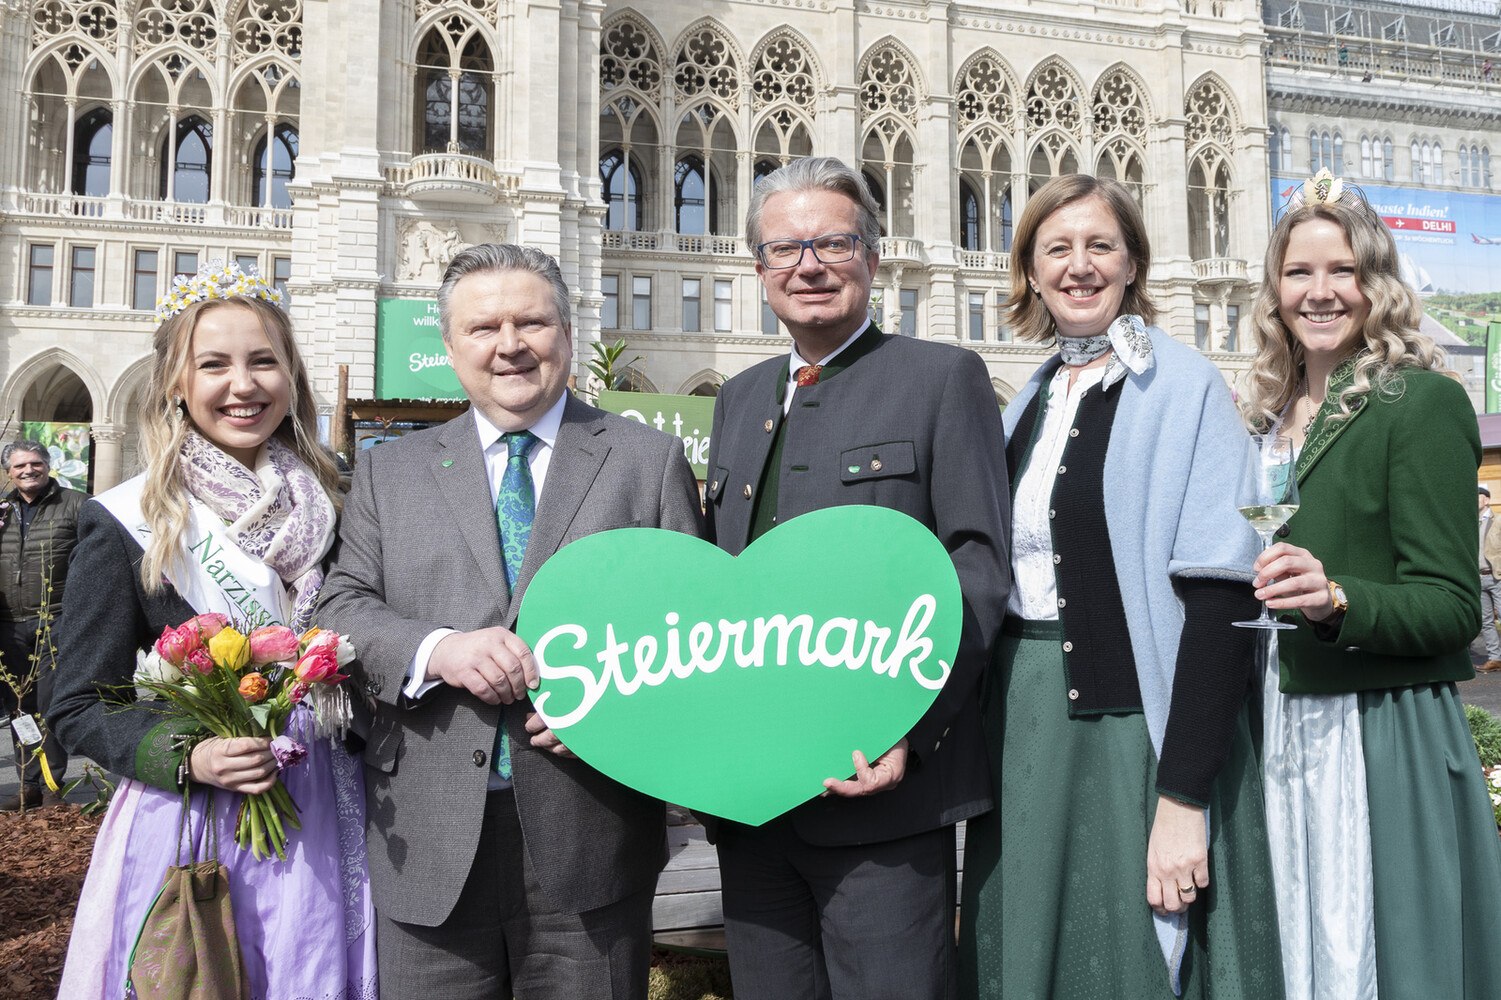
1384, 846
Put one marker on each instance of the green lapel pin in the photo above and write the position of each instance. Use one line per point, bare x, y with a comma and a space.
854, 469
447, 462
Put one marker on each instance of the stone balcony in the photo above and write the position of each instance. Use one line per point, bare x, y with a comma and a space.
668, 242
177, 213
452, 178
901, 250
995, 261
1220, 271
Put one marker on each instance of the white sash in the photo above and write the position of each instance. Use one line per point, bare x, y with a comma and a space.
213, 574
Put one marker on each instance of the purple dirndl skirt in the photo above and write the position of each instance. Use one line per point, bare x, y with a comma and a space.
305, 925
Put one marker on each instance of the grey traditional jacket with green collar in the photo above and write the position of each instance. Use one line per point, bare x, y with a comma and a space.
1388, 506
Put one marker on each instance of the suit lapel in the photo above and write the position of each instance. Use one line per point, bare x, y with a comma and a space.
577, 457
458, 466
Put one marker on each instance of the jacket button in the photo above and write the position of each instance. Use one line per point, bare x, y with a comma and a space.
875, 465
1052, 514
1062, 602
714, 487
1057, 559
1073, 432
1073, 694
373, 686
769, 425
1062, 469
479, 758
747, 491
1068, 647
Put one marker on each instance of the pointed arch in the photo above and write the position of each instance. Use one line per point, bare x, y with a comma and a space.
132, 381
160, 62
707, 61
1054, 98
890, 80
82, 54
702, 379
1212, 110
632, 57
788, 58
1109, 92
43, 363
986, 90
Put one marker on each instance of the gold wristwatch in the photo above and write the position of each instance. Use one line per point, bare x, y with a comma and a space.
1338, 598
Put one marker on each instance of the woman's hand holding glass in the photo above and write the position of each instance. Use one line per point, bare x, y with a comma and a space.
1289, 578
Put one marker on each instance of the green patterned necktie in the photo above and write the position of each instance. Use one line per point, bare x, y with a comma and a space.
514, 506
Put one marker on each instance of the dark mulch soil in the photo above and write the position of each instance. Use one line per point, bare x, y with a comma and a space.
43, 857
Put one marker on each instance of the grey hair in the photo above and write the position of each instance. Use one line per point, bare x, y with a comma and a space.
817, 173
26, 445
485, 257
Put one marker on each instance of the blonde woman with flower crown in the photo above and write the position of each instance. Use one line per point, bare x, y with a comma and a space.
237, 505
1385, 855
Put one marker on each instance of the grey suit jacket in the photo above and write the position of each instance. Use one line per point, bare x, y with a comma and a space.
928, 411
418, 550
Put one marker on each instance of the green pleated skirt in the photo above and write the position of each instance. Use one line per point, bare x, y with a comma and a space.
1054, 900
1435, 856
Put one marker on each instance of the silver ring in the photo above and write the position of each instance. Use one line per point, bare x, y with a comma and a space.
1187, 890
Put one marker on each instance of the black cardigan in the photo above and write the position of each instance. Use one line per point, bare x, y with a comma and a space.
1214, 658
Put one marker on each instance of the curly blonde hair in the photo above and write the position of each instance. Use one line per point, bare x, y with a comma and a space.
1391, 341
165, 425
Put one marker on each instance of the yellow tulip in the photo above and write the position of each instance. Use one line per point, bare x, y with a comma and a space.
230, 648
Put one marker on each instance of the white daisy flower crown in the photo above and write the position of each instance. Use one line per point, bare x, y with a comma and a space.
214, 280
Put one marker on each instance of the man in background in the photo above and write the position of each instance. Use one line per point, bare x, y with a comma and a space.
38, 527
1490, 587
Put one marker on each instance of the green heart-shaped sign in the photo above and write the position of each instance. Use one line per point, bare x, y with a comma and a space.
735, 686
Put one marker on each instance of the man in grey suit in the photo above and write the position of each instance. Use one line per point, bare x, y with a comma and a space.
498, 862
851, 895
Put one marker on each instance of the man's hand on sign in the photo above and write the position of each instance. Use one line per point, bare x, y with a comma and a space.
493, 664
869, 779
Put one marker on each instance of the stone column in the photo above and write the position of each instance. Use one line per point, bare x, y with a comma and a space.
108, 453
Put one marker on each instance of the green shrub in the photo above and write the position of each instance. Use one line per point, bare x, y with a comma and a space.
1486, 729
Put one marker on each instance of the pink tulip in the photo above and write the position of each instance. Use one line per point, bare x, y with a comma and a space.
200, 661
273, 644
206, 626
176, 644
319, 665
297, 691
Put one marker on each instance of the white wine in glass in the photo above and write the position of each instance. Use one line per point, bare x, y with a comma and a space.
1276, 503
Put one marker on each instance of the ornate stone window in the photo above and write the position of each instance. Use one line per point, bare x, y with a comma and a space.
188, 22
187, 161
890, 93
275, 165
98, 20
1326, 151
706, 82
455, 89
1210, 132
1055, 123
631, 84
1209, 204
622, 186
268, 26
783, 91
1120, 129
985, 103
93, 139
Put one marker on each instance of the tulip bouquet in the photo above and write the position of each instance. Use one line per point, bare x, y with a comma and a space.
234, 684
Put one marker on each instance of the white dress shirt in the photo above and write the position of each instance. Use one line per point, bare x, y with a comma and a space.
496, 455
797, 362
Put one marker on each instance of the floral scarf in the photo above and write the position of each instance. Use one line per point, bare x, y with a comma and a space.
278, 513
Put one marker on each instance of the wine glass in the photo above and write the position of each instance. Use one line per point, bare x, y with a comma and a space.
1276, 502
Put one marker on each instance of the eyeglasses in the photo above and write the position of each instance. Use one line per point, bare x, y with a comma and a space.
831, 248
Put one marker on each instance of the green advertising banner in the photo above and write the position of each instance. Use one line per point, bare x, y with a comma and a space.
410, 360
688, 417
730, 685
1493, 368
